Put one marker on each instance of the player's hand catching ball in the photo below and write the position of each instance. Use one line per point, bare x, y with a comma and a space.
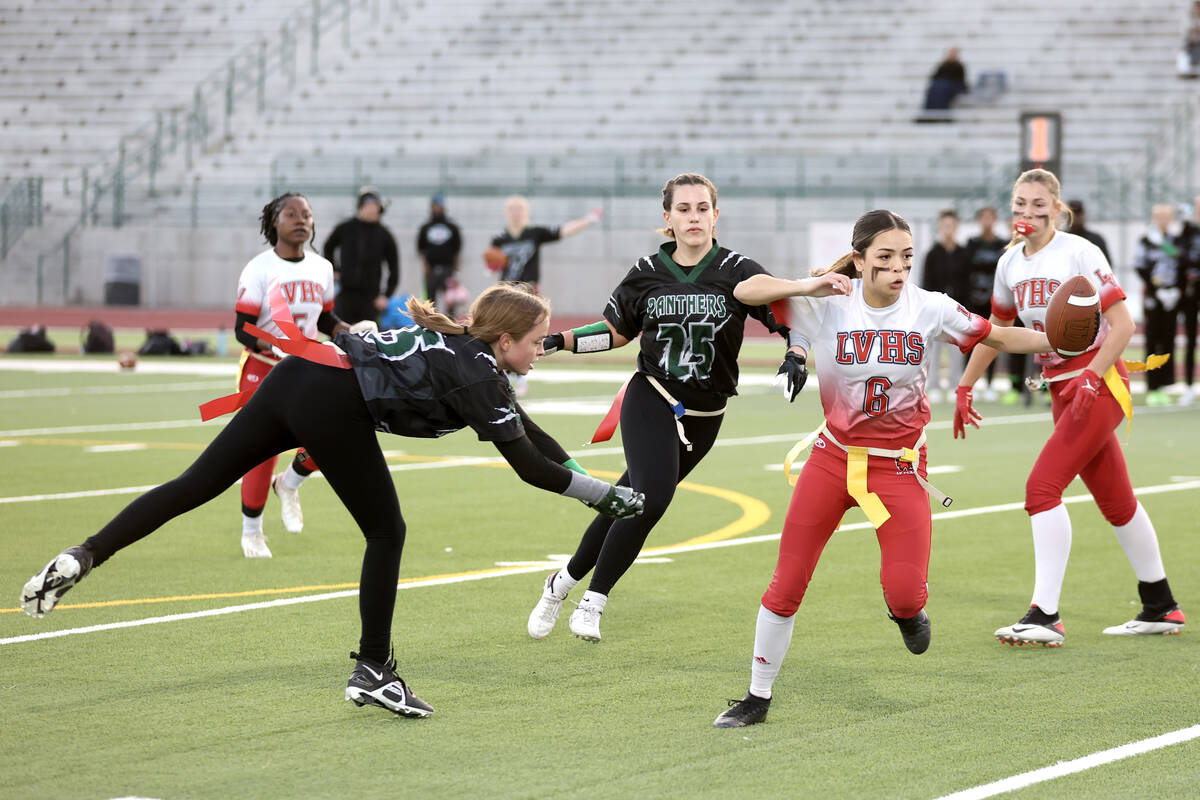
795, 373
552, 344
964, 412
621, 502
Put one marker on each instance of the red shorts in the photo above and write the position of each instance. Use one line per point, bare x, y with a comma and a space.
818, 503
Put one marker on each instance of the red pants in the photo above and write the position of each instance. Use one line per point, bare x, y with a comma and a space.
818, 503
256, 484
1087, 448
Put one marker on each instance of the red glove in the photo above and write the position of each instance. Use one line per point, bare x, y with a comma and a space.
1082, 392
964, 412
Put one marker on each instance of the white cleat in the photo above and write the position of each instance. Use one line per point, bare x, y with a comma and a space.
585, 622
1166, 625
289, 505
43, 591
545, 613
254, 545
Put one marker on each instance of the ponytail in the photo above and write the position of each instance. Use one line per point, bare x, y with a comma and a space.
844, 265
507, 307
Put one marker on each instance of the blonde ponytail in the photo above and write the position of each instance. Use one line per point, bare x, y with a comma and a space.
507, 307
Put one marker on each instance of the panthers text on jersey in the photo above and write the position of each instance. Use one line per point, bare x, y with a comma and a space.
690, 323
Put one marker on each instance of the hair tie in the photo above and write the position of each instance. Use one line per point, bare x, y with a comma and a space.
465, 331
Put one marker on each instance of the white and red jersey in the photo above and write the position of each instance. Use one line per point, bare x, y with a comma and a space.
306, 287
873, 362
1024, 284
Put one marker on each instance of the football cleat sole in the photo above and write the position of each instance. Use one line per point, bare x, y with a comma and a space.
43, 591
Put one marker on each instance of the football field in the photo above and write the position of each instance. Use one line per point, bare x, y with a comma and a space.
180, 669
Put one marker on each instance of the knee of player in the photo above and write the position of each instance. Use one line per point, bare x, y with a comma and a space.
904, 589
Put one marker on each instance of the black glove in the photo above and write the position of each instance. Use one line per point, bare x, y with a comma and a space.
553, 343
621, 502
794, 368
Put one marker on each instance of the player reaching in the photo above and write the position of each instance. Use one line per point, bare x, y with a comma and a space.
870, 339
425, 381
1089, 395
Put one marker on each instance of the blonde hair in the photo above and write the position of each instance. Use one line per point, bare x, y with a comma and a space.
508, 307
1047, 179
684, 179
868, 226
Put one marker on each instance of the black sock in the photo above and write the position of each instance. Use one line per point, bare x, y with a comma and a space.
1156, 597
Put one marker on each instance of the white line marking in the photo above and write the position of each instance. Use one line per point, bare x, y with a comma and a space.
656, 553
1076, 765
115, 448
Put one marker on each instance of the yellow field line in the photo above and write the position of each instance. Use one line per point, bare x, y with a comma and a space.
754, 514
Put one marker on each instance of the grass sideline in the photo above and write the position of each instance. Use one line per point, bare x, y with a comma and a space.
250, 703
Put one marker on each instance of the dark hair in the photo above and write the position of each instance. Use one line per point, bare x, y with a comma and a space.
685, 179
270, 216
868, 226
947, 212
980, 212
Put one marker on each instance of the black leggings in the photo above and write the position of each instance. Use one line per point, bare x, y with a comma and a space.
656, 461
321, 408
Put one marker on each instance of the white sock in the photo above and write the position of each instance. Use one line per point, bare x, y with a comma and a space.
251, 525
596, 599
562, 583
1140, 543
1051, 548
772, 637
290, 478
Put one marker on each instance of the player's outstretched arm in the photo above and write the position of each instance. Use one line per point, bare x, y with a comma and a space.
575, 226
537, 470
761, 289
592, 338
1017, 340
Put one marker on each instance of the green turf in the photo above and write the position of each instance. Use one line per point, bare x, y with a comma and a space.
250, 704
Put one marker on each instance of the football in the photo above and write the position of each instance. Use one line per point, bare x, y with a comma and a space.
1073, 316
495, 259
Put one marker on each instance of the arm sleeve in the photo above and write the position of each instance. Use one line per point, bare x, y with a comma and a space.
327, 322
959, 326
1095, 267
392, 256
533, 467
548, 234
241, 334
544, 442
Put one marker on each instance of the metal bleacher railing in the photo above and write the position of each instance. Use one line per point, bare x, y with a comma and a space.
20, 209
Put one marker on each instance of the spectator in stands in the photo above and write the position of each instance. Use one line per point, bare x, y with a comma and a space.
1189, 56
358, 248
983, 251
1189, 302
945, 270
946, 83
440, 244
1078, 226
1156, 261
522, 243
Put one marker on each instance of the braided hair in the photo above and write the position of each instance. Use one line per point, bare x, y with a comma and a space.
270, 216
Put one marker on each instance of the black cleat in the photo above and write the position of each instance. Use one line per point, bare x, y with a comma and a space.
43, 591
914, 630
750, 710
379, 685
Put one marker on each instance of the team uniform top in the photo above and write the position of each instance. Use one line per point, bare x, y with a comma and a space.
690, 322
1024, 284
306, 286
422, 383
524, 261
873, 362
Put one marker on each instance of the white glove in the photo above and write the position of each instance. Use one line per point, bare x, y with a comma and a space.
366, 326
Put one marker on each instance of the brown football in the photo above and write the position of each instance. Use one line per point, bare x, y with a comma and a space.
495, 259
1073, 316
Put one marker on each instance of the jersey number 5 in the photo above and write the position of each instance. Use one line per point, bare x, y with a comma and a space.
875, 399
689, 351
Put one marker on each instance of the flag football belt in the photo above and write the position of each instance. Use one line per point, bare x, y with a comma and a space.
608, 425
856, 471
1112, 379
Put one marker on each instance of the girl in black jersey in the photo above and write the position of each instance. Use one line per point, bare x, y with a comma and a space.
427, 380
680, 301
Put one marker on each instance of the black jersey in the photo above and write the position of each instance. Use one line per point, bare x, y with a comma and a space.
690, 322
418, 382
523, 251
982, 257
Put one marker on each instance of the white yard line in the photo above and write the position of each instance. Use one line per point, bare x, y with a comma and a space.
1076, 765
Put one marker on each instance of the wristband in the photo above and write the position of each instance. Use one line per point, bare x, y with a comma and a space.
573, 465
592, 338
